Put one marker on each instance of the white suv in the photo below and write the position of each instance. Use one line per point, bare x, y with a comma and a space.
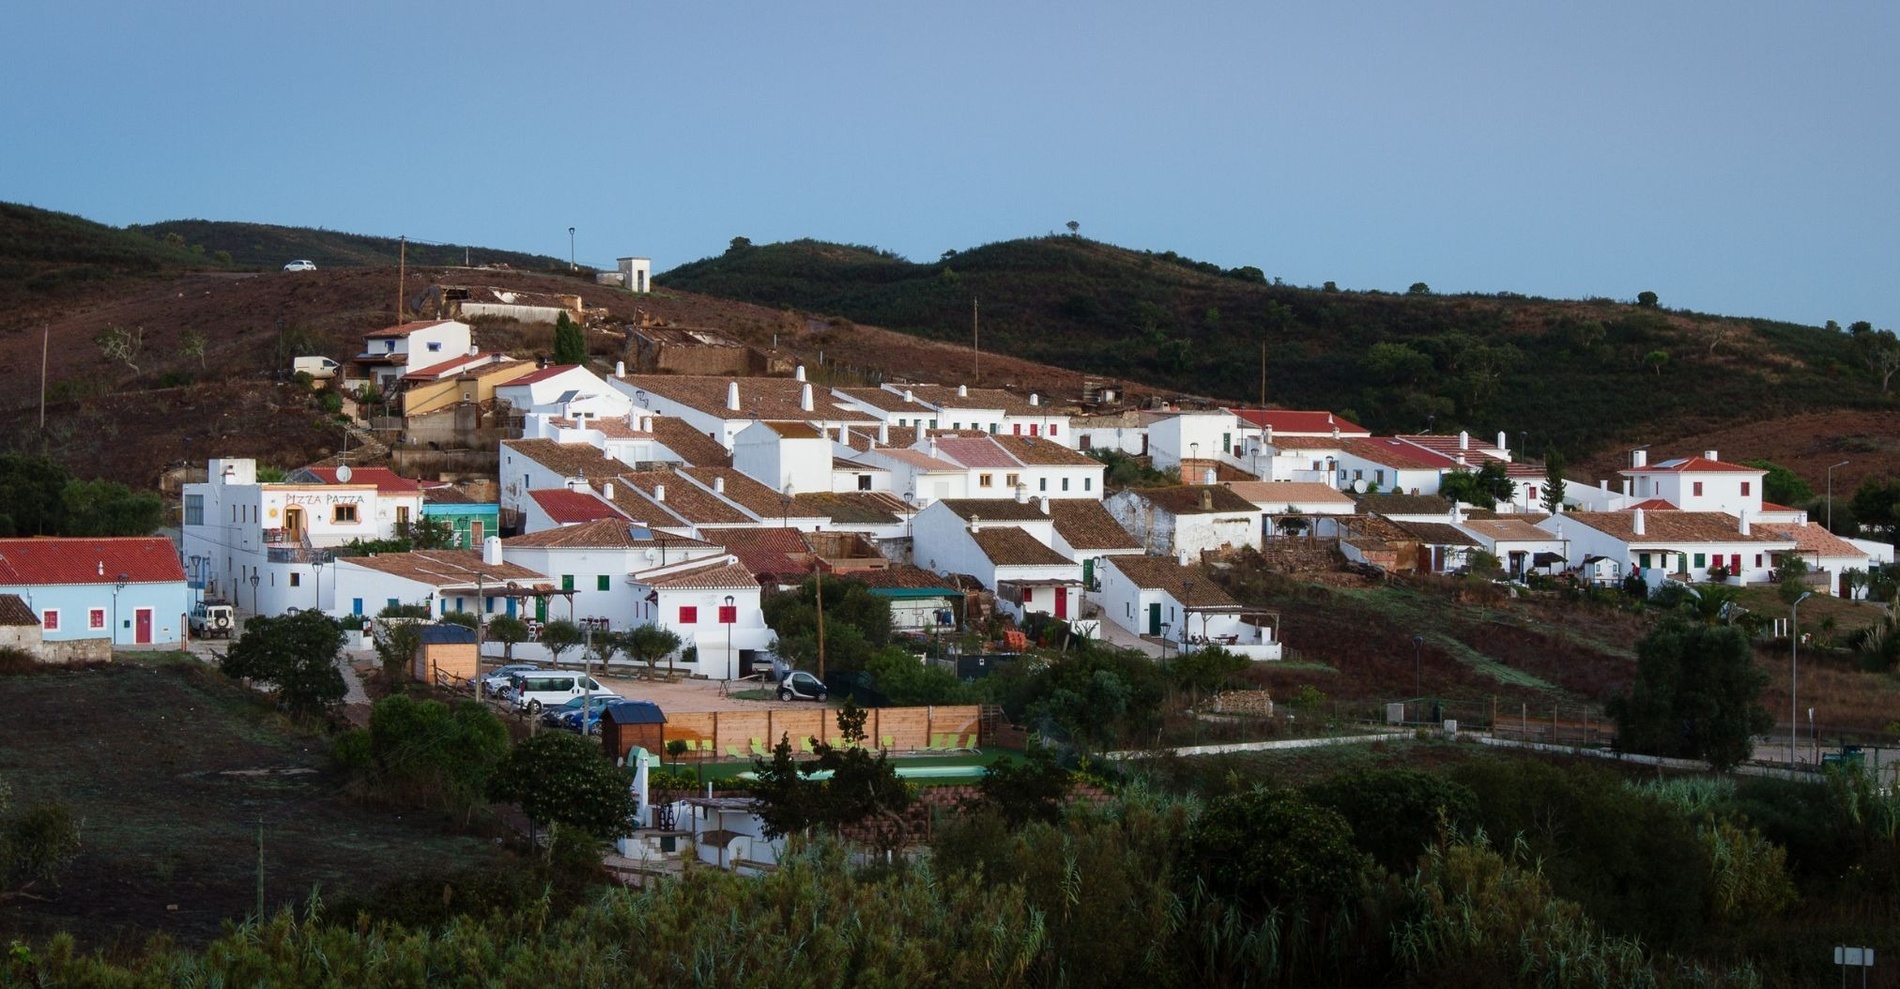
300, 266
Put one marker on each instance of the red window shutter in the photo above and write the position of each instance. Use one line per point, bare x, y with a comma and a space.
1744, 489
728, 614
50, 621
96, 618
1698, 489
1734, 563
689, 614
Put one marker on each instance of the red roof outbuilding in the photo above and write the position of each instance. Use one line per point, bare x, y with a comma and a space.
89, 560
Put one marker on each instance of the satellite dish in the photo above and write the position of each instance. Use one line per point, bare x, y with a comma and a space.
343, 474
1359, 485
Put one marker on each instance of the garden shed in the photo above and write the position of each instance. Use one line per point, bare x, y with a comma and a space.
446, 654
625, 725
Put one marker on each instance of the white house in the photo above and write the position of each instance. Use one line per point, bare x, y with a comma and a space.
1316, 505
1829, 555
441, 580
394, 351
264, 545
1521, 546
1182, 605
125, 591
565, 390
1697, 484
1192, 518
939, 532
784, 455
1685, 545
723, 407
1085, 532
990, 410
596, 560
1384, 463
1122, 432
1005, 545
1194, 441
712, 604
552, 508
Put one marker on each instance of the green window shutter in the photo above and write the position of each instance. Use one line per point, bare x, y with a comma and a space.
567, 582
605, 583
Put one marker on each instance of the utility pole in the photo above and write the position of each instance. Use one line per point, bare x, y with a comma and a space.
1263, 372
260, 870
46, 336
402, 273
976, 346
818, 574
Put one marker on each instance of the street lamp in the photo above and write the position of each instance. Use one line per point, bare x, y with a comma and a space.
571, 266
1418, 666
316, 566
1195, 449
910, 547
728, 615
255, 580
1830, 494
785, 506
1187, 608
1794, 672
118, 585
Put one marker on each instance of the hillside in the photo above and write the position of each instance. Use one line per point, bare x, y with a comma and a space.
50, 256
264, 245
1581, 375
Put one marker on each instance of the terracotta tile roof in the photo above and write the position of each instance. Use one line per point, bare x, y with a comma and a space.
1397, 453
994, 509
566, 507
1654, 505
551, 371
1044, 452
404, 329
1298, 421
1447, 447
1308, 442
1404, 504
14, 612
848, 464
885, 401
767, 398
1286, 492
918, 458
607, 533
1438, 533
1769, 506
1186, 499
1008, 546
851, 507
448, 494
683, 498
1811, 538
906, 576
1084, 524
1675, 527
458, 365
1164, 574
741, 489
1509, 530
566, 459
690, 444
790, 430
445, 567
725, 573
613, 428
1693, 465
88, 560
387, 481
982, 453
775, 551
1127, 419
946, 397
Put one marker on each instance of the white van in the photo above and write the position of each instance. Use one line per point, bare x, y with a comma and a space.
532, 691
319, 368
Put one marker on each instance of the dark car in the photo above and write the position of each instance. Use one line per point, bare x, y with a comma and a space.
568, 716
800, 685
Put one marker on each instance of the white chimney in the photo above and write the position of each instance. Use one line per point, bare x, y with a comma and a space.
1211, 476
732, 395
607, 491
884, 433
844, 433
491, 551
474, 351
1335, 430
1639, 459
907, 399
1603, 484
963, 391
1626, 487
1501, 445
719, 484
1035, 399
804, 397
1464, 439
659, 492
1744, 523
920, 431
798, 374
933, 447
1637, 524
620, 369
1709, 455
576, 483
1182, 558
976, 523
1267, 434
1043, 503
1022, 494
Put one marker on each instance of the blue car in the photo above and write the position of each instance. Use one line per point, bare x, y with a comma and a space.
568, 715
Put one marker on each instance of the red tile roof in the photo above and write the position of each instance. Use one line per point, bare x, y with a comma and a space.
14, 612
1811, 538
1164, 574
570, 507
1295, 421
1476, 455
981, 453
1397, 453
779, 552
612, 533
1039, 452
446, 568
1693, 465
544, 374
1084, 523
457, 365
387, 481
404, 329
725, 573
1653, 505
88, 560
690, 444
1008, 546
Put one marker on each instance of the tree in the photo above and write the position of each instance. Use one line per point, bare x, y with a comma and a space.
297, 654
1483, 488
1205, 670
1553, 497
1032, 790
32, 495
120, 344
1647, 300
396, 648
1879, 350
558, 636
1419, 288
107, 508
558, 778
1397, 363
1656, 359
36, 845
507, 630
647, 643
570, 341
1696, 696
739, 244
1075, 228
1273, 848
1876, 504
1792, 573
1396, 814
861, 789
424, 532
427, 753
1781, 485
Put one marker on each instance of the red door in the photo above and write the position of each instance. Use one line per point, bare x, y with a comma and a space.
1735, 564
142, 626
1062, 602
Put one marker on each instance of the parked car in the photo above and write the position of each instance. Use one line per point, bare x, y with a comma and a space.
497, 683
568, 716
800, 685
213, 618
318, 367
532, 691
300, 265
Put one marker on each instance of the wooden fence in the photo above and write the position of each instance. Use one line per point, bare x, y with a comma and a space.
743, 734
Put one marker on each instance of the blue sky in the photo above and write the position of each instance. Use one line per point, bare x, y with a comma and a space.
1734, 157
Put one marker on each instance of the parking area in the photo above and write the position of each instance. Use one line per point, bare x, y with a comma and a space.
696, 696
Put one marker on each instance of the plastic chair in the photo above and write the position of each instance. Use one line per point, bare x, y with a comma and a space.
733, 753
969, 744
887, 743
759, 749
